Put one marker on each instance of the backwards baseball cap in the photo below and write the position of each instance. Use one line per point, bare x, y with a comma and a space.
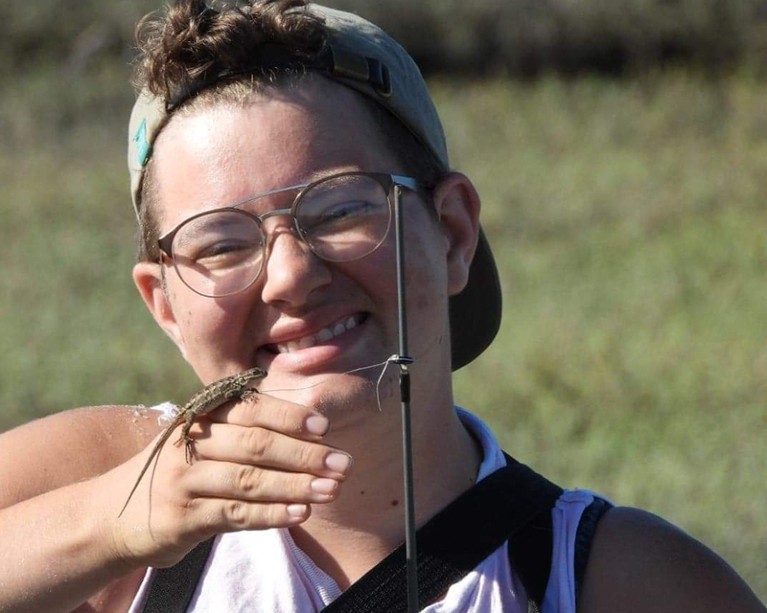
359, 55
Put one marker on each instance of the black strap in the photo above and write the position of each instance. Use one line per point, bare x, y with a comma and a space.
513, 504
530, 550
455, 540
530, 553
584, 537
172, 588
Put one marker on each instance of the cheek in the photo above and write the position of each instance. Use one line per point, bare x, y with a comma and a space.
427, 316
205, 323
426, 291
425, 259
424, 279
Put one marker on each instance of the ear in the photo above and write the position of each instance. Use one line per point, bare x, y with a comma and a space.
148, 277
457, 204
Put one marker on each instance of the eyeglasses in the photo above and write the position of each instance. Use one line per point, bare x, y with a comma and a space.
342, 218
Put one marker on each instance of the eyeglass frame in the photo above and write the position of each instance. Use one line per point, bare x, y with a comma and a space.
388, 181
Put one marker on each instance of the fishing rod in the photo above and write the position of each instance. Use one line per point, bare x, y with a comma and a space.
404, 361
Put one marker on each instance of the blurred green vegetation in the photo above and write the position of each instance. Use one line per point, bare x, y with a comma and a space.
626, 214
630, 227
512, 37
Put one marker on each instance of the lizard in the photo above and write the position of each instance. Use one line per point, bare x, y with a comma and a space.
208, 398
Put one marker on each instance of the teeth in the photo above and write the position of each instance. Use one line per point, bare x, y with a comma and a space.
322, 336
325, 335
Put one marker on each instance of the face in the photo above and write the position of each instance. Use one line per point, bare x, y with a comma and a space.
308, 322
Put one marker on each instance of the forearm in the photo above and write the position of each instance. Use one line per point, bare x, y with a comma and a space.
56, 551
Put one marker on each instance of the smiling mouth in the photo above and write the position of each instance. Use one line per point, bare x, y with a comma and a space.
323, 336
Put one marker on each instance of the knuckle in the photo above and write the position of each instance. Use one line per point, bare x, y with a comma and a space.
242, 515
245, 479
311, 456
258, 442
293, 422
236, 513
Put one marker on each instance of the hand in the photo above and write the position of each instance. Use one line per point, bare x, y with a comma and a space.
256, 464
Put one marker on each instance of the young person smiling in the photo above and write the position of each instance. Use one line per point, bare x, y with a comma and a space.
266, 147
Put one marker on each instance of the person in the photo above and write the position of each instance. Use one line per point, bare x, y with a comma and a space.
267, 148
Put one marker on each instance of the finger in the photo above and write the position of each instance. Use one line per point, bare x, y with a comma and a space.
233, 515
274, 414
255, 484
267, 448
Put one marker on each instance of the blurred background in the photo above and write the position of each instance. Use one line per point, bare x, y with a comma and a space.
620, 147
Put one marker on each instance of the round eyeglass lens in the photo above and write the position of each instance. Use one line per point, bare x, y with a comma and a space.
220, 252
345, 217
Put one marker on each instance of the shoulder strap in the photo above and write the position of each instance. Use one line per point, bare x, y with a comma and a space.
455, 540
583, 538
530, 550
172, 588
513, 504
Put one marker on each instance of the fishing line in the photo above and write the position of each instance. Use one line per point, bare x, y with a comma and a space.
383, 365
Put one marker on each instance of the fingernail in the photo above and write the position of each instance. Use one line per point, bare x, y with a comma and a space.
317, 424
338, 462
297, 510
324, 486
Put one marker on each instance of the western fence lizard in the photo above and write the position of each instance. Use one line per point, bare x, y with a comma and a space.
208, 398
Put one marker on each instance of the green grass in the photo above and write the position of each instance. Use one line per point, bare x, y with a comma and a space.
628, 223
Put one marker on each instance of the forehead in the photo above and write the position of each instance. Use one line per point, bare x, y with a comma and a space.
220, 151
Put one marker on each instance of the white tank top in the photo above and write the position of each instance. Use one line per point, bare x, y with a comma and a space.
266, 571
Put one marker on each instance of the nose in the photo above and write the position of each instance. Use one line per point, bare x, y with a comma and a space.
291, 271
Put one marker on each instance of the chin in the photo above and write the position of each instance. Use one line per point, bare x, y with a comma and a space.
336, 394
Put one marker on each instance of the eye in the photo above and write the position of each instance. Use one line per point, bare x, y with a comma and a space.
220, 249
343, 211
218, 240
338, 216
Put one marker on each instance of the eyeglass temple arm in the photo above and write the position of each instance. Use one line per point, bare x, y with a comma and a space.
408, 182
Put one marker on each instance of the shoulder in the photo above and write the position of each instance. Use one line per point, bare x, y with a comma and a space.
69, 446
639, 562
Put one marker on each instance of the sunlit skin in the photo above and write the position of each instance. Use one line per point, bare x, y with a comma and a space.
221, 155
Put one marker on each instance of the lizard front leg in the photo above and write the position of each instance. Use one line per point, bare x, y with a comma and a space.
190, 416
185, 438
